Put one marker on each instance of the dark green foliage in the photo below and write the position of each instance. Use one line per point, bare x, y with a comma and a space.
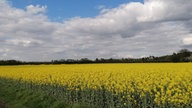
183, 55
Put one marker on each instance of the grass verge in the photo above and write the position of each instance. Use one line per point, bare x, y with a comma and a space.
15, 96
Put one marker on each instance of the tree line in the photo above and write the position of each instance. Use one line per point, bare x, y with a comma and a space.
184, 55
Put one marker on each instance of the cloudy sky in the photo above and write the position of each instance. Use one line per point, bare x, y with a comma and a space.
42, 30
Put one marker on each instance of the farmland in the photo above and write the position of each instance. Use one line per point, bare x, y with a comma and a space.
108, 85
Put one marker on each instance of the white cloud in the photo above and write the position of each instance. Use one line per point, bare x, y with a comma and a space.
36, 9
187, 41
134, 29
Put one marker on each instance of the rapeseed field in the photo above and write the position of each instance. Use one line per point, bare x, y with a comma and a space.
111, 85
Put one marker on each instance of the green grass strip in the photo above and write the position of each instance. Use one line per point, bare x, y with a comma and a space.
16, 96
